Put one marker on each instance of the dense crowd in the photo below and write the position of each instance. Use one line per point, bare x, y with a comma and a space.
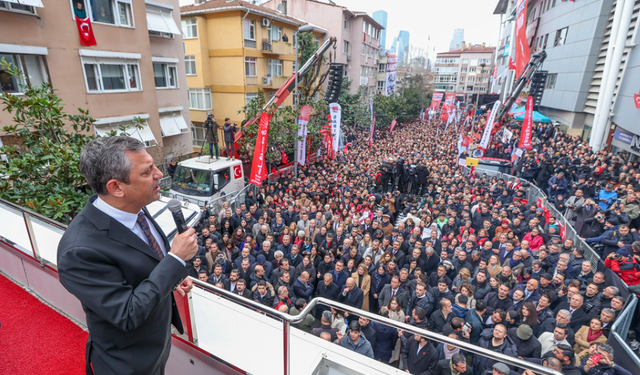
401, 230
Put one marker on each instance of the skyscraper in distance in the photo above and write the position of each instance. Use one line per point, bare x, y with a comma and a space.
458, 38
380, 16
403, 45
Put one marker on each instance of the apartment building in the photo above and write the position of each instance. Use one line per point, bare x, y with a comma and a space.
465, 71
136, 68
233, 49
358, 36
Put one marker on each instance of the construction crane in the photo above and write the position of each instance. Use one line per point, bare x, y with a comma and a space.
534, 64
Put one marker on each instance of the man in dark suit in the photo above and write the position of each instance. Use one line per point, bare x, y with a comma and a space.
326, 289
393, 290
351, 295
116, 260
457, 363
419, 356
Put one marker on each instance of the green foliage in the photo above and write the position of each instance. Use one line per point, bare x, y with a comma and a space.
42, 173
283, 128
355, 107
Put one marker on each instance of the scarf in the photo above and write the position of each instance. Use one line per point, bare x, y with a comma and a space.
449, 353
592, 336
513, 263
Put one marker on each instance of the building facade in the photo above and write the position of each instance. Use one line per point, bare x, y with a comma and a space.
464, 71
234, 51
136, 69
577, 37
358, 36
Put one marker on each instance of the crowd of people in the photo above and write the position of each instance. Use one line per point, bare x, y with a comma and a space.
399, 229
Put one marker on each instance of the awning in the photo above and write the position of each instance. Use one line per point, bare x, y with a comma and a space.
537, 117
173, 124
161, 21
32, 3
143, 133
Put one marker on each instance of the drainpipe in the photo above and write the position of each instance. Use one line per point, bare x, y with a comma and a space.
620, 43
617, 15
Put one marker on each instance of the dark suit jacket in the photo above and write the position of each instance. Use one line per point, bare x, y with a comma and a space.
354, 298
125, 290
385, 296
423, 363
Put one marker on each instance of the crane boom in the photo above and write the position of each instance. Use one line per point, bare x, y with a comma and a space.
534, 64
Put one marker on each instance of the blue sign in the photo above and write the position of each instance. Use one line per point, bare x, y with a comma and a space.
623, 136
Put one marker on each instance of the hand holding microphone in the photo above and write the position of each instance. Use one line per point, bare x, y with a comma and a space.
185, 243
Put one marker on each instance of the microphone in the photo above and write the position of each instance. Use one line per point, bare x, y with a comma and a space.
176, 211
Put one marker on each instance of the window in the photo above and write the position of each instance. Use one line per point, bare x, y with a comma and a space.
364, 27
345, 47
561, 37
275, 33
105, 126
382, 68
251, 96
346, 23
200, 99
551, 81
274, 68
111, 75
189, 28
32, 66
160, 22
546, 39
165, 75
381, 85
19, 8
190, 65
465, 61
112, 12
250, 67
249, 29
198, 133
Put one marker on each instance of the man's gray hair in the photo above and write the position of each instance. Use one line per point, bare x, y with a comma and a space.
326, 316
457, 359
565, 312
606, 348
104, 159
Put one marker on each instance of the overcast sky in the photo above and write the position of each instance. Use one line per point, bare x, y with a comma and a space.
437, 18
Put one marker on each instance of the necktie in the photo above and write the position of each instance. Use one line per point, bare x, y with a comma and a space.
393, 293
144, 224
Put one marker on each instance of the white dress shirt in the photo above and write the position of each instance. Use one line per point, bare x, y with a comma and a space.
130, 221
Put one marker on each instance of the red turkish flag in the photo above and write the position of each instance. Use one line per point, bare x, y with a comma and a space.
85, 31
512, 65
636, 98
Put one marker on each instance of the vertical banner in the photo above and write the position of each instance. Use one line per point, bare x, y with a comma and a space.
393, 125
85, 31
486, 137
523, 54
335, 111
450, 98
258, 167
392, 71
373, 126
303, 120
525, 133
436, 99
506, 135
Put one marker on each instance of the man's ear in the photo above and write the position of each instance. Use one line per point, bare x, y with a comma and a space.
114, 187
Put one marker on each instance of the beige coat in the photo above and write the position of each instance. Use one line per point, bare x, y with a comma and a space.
366, 287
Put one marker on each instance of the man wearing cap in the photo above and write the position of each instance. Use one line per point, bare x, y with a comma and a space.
528, 346
354, 340
501, 369
624, 266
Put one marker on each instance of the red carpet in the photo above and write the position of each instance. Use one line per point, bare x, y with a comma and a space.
34, 338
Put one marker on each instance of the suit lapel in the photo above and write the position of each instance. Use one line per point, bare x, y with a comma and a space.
117, 231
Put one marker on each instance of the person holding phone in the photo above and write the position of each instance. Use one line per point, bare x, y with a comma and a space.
601, 362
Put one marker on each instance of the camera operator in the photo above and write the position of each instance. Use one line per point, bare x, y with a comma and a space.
411, 179
212, 127
624, 266
229, 137
422, 174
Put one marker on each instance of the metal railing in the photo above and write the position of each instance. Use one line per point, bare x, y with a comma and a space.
621, 325
287, 320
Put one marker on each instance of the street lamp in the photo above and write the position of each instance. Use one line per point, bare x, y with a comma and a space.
296, 98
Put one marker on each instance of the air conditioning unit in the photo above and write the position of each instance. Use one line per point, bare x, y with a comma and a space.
266, 22
348, 57
266, 81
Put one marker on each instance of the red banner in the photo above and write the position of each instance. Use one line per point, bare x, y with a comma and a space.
450, 98
436, 99
523, 54
525, 134
393, 125
85, 31
258, 168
